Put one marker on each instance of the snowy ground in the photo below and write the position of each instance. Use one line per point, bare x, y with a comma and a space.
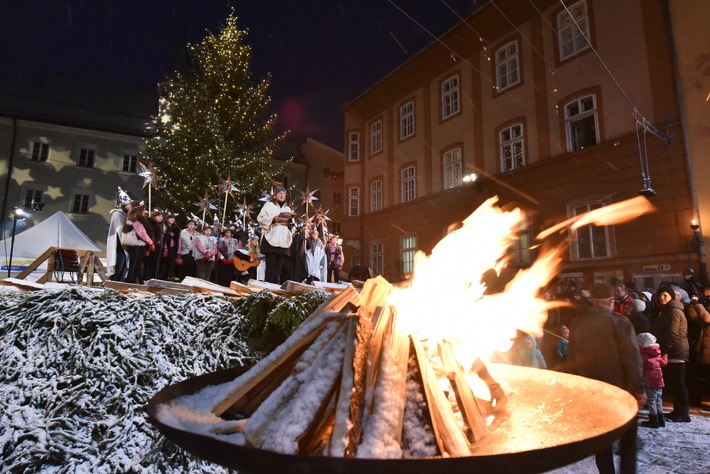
679, 447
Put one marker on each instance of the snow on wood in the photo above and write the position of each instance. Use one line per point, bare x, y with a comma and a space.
289, 411
382, 434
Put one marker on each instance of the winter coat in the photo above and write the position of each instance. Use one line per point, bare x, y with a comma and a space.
671, 330
531, 357
277, 235
137, 231
603, 346
699, 314
640, 322
653, 363
171, 238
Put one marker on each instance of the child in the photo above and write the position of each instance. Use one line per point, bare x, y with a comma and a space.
563, 344
653, 362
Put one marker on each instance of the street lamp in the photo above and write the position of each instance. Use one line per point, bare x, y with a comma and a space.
18, 213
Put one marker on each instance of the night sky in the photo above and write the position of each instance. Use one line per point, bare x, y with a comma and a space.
320, 53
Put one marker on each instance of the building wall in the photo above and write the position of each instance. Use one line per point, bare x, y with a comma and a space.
636, 74
59, 178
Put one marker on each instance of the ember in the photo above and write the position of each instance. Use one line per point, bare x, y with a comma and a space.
393, 372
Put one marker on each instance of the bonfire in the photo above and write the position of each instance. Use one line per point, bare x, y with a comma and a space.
399, 372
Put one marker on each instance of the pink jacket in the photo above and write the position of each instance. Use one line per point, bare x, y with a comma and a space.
653, 362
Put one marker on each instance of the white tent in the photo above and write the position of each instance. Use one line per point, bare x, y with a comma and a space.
55, 231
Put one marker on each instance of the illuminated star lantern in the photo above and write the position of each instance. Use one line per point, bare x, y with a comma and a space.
245, 209
148, 174
308, 196
323, 213
265, 197
227, 187
204, 205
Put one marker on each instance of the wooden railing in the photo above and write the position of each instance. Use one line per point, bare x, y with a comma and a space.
77, 264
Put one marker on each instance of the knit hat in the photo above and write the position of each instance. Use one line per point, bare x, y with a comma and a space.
638, 305
646, 339
647, 294
279, 189
666, 289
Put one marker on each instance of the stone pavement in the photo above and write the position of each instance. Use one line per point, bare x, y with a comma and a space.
682, 448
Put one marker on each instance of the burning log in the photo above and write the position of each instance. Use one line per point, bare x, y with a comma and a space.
466, 400
449, 435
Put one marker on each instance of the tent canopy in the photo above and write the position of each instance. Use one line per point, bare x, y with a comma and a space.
55, 231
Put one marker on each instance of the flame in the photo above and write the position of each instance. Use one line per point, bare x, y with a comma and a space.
445, 298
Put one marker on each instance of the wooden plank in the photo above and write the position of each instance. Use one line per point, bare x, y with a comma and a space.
34, 265
292, 348
258, 285
342, 423
464, 395
203, 286
296, 287
125, 287
241, 288
22, 284
449, 435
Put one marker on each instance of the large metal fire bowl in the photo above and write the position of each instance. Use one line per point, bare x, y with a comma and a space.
551, 420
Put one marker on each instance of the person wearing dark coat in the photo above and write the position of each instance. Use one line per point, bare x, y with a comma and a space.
171, 241
137, 240
603, 346
671, 329
152, 261
638, 317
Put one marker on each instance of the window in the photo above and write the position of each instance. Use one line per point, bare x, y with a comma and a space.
591, 241
129, 163
450, 97
80, 203
512, 152
40, 150
571, 36
354, 146
452, 168
581, 123
32, 196
354, 201
409, 248
507, 66
377, 257
406, 120
337, 198
409, 184
376, 137
522, 244
86, 158
376, 195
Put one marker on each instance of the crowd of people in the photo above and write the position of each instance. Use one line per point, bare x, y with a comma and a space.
653, 344
144, 245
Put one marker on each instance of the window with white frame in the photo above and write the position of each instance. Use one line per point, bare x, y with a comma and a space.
572, 30
376, 137
354, 201
452, 168
406, 120
450, 97
354, 146
409, 183
39, 149
582, 123
80, 202
86, 157
129, 162
507, 66
376, 195
589, 242
409, 249
377, 257
512, 151
32, 195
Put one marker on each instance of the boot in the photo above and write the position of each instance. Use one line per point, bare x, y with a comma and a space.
661, 420
652, 421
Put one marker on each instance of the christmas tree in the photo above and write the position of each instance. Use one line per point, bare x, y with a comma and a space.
214, 126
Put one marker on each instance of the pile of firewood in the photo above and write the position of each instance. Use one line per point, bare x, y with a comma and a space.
355, 385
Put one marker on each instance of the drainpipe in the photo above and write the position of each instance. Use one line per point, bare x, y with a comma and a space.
10, 166
686, 143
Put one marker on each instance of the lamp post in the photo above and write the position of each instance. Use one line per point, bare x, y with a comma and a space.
17, 213
700, 248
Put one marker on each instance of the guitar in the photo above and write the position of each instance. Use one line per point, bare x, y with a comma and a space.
244, 265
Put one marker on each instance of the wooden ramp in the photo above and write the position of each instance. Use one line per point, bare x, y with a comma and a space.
68, 265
